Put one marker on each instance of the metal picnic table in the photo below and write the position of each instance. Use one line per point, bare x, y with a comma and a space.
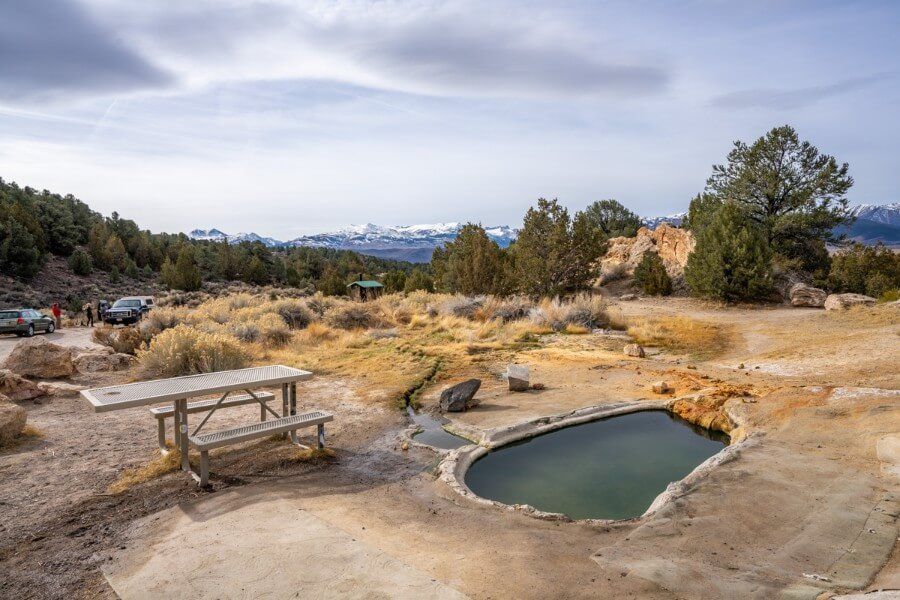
179, 389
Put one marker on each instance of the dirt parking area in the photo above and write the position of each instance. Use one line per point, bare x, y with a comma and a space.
807, 508
75, 337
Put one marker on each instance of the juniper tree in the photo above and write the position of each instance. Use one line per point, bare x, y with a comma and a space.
731, 260
651, 277
613, 219
555, 254
470, 264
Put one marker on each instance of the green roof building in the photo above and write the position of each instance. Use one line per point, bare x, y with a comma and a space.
364, 290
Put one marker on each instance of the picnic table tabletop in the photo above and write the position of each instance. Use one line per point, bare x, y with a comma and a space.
116, 397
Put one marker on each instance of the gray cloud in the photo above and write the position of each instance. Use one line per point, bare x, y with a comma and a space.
454, 49
50, 49
471, 57
784, 99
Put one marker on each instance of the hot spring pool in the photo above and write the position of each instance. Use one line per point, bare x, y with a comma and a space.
608, 469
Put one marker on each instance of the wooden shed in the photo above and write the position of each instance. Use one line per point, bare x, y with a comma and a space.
364, 290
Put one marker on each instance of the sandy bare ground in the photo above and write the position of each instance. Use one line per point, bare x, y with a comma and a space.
807, 508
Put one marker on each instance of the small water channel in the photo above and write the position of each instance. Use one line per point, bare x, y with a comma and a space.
608, 469
433, 432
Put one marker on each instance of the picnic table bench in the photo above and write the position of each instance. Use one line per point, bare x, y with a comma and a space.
179, 389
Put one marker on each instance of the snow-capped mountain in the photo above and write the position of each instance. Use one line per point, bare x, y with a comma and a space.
889, 214
407, 242
654, 222
216, 235
377, 237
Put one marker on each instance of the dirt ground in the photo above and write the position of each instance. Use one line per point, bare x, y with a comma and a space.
808, 508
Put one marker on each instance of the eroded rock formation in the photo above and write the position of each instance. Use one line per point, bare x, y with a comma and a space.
673, 245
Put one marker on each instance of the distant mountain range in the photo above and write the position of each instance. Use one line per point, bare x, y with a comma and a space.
415, 243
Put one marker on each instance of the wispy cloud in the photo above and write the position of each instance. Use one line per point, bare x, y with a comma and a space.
774, 98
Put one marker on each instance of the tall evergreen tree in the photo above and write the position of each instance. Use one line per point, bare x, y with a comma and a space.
796, 194
19, 255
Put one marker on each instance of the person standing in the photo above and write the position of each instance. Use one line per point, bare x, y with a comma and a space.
57, 314
90, 315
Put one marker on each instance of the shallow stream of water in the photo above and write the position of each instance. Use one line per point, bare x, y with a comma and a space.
608, 469
433, 432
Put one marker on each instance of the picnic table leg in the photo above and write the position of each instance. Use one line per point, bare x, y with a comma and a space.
321, 435
285, 392
294, 410
181, 421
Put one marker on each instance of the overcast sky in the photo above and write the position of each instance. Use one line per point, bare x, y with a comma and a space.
290, 117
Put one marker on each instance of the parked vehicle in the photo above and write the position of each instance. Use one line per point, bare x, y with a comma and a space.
128, 311
25, 322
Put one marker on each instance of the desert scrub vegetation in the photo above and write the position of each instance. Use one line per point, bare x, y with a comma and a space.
388, 346
680, 334
184, 350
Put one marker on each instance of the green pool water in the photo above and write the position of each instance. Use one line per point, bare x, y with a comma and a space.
608, 469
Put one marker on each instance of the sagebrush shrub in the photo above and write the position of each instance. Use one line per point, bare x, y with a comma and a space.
355, 315
294, 312
183, 350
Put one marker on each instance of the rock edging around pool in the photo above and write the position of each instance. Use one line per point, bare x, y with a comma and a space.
452, 469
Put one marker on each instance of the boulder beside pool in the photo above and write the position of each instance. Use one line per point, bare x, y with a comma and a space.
460, 397
518, 377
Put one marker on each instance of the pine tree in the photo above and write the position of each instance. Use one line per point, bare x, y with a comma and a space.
731, 260
793, 192
394, 281
651, 277
115, 250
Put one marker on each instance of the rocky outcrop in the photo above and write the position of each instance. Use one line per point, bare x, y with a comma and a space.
40, 358
59, 389
460, 397
673, 245
844, 301
635, 350
12, 421
17, 388
102, 361
806, 295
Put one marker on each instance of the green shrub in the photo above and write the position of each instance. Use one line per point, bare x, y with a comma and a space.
731, 260
865, 270
651, 277
114, 275
295, 313
80, 263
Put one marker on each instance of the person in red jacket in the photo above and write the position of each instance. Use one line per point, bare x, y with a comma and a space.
57, 314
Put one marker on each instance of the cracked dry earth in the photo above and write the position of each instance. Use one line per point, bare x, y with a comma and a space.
807, 509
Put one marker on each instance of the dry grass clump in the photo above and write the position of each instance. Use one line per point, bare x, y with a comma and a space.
505, 309
356, 315
158, 466
466, 307
184, 350
682, 334
319, 303
581, 312
126, 340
